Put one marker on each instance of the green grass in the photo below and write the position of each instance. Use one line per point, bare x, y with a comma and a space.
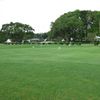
34, 72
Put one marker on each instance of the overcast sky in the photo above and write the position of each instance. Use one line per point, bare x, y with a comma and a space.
40, 13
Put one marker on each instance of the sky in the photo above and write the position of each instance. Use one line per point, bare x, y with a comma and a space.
40, 13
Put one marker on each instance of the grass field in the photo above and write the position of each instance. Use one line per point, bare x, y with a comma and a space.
51, 72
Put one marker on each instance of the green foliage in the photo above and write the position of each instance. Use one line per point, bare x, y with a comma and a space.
3, 38
96, 43
76, 24
17, 31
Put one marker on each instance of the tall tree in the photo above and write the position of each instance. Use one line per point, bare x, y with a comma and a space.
17, 31
67, 26
80, 25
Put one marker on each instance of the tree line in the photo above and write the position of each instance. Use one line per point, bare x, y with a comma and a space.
78, 25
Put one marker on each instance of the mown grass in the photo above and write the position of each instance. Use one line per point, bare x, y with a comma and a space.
49, 72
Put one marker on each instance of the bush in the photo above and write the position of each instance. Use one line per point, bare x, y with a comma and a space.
96, 43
